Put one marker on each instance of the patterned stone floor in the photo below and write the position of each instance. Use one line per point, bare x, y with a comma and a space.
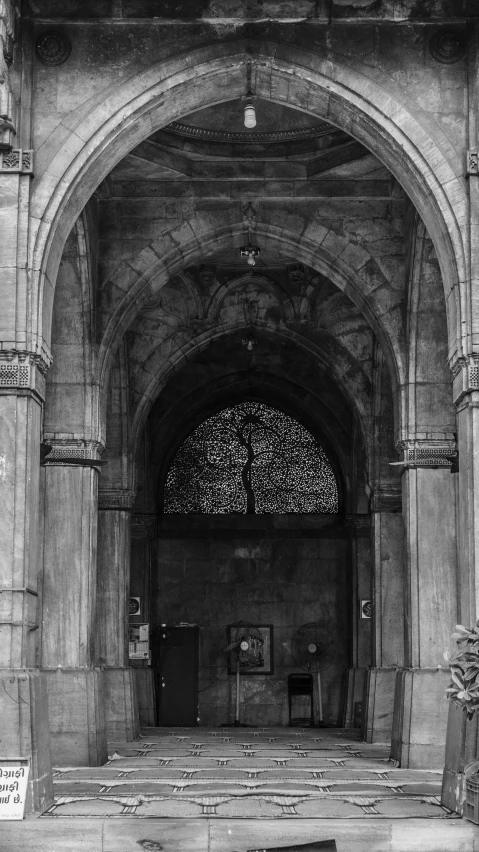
247, 773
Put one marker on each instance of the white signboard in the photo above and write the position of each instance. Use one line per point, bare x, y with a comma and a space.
13, 790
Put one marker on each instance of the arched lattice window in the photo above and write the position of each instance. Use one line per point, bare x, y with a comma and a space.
250, 458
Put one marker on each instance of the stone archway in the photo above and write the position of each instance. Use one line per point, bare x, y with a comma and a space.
325, 88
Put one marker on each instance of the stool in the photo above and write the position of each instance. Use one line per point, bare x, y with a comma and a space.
300, 684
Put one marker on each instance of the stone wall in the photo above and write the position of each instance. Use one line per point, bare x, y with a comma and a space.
282, 570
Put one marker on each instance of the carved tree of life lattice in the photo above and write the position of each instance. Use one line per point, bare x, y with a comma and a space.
251, 459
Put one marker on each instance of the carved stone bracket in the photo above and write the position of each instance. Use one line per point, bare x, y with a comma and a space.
22, 371
73, 451
16, 160
426, 453
118, 499
143, 526
465, 377
472, 162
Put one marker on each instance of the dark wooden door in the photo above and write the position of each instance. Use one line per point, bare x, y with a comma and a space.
177, 676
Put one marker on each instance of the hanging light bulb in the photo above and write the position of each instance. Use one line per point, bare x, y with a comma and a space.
249, 115
251, 261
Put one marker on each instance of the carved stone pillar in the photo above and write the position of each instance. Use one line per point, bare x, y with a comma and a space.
8, 15
420, 709
75, 685
387, 532
25, 733
462, 745
113, 584
360, 554
143, 536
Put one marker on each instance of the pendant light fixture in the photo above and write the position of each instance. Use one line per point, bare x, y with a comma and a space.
250, 251
249, 110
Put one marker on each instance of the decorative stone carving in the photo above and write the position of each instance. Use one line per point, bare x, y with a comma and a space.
465, 377
22, 371
73, 451
8, 14
426, 453
386, 501
472, 163
296, 273
143, 526
207, 273
209, 135
250, 215
116, 499
53, 48
447, 46
16, 161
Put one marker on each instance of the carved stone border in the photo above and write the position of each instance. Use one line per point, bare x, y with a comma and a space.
208, 135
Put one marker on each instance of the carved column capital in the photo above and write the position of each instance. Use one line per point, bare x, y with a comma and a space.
427, 452
118, 499
73, 451
143, 525
21, 372
465, 373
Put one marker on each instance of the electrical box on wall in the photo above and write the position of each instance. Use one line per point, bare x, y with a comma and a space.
139, 644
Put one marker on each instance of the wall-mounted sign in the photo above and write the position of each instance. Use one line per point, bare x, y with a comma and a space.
134, 606
139, 644
366, 609
13, 789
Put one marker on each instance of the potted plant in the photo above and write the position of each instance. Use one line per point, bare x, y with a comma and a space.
464, 664
464, 693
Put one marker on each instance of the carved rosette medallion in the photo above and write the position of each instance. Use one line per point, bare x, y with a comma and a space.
53, 48
447, 46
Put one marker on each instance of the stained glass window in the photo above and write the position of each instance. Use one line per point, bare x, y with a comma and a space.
250, 458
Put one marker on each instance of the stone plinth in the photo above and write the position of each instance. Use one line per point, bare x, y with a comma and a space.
121, 704
420, 718
145, 687
111, 640
24, 730
378, 705
76, 702
462, 747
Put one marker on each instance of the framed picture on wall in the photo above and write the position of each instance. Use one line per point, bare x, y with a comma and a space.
255, 652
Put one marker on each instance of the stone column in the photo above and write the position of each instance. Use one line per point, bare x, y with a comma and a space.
113, 585
23, 698
463, 734
143, 534
421, 708
360, 554
75, 685
387, 530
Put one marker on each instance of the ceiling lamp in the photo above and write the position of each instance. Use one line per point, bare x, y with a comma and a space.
249, 115
251, 252
249, 110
